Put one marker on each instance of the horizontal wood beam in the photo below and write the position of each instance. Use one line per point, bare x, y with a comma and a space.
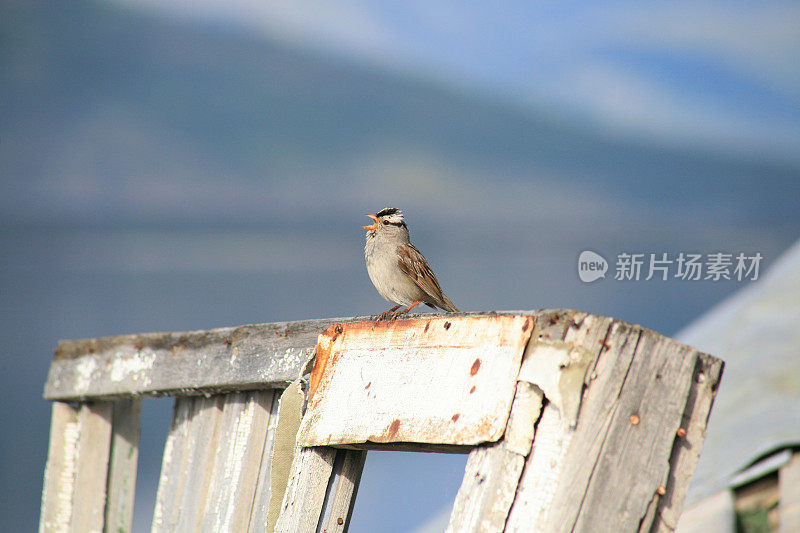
259, 356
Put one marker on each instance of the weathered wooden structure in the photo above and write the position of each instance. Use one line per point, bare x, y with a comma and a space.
572, 421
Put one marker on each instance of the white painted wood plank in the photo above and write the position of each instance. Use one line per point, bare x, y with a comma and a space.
189, 454
261, 356
541, 474
341, 493
203, 444
493, 470
240, 454
215, 459
91, 473
789, 485
59, 475
542, 468
442, 380
525, 412
123, 465
487, 490
171, 480
259, 517
305, 494
572, 476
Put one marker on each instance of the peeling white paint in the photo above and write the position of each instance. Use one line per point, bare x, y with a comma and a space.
66, 478
234, 355
84, 370
132, 366
558, 368
234, 460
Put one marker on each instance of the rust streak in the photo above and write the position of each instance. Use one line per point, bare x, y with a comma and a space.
324, 346
455, 417
472, 389
393, 429
475, 366
389, 434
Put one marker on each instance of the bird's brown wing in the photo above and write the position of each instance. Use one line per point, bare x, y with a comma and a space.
411, 261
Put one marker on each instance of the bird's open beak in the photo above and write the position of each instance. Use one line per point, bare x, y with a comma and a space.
373, 226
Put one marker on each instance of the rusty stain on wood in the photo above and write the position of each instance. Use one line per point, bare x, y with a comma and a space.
475, 366
391, 433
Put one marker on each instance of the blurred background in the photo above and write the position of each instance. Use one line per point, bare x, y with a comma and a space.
197, 164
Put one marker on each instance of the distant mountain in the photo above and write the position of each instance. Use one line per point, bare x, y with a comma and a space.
107, 113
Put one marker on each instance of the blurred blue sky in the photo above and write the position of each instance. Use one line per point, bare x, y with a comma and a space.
188, 165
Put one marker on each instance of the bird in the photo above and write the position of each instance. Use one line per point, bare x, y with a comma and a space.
398, 270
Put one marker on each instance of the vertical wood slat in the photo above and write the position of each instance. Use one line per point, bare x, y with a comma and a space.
321, 489
237, 473
91, 473
686, 449
59, 473
123, 464
342, 489
261, 499
92, 454
493, 470
216, 461
305, 492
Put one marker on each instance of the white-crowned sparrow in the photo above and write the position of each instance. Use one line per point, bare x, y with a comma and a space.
397, 269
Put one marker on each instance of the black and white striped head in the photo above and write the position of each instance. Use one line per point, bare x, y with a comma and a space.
388, 217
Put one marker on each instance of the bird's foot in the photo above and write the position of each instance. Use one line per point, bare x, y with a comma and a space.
406, 310
390, 313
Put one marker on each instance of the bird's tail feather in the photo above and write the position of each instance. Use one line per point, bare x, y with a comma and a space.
448, 305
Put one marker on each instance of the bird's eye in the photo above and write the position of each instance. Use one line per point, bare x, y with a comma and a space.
385, 222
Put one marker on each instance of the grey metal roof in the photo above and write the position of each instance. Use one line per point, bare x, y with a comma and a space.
757, 410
